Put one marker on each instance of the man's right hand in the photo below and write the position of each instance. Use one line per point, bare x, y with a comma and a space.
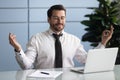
14, 43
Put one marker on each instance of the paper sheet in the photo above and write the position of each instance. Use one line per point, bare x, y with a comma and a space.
50, 74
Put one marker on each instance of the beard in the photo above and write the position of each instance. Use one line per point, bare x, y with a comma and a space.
57, 27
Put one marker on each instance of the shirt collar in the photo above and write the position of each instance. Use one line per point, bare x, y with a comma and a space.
51, 32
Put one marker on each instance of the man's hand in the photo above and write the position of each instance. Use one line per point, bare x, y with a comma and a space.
14, 43
106, 35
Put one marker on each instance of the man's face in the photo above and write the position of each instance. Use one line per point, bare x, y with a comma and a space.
57, 20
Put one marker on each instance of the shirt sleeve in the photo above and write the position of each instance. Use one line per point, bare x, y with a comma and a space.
19, 56
26, 59
81, 53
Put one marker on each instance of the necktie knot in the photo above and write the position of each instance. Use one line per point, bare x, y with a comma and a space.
56, 36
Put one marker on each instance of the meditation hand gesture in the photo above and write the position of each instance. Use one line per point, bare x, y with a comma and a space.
106, 35
14, 43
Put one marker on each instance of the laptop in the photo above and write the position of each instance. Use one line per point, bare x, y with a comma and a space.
109, 75
99, 60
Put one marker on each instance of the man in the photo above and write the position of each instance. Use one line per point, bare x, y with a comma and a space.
41, 51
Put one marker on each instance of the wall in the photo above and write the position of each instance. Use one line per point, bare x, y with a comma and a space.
27, 17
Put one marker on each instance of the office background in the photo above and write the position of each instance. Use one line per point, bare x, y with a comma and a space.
27, 17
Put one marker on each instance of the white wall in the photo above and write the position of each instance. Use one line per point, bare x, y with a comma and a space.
27, 17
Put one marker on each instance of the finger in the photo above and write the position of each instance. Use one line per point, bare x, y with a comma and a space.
10, 36
111, 29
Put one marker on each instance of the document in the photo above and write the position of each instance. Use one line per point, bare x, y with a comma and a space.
45, 74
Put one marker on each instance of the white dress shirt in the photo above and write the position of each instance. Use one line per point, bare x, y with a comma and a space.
40, 52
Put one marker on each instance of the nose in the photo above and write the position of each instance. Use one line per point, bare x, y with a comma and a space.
59, 20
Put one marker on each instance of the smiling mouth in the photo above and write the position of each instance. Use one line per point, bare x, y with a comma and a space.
59, 25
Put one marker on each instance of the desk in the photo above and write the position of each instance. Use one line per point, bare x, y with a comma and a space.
67, 75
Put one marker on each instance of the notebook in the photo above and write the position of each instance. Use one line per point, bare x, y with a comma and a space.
99, 60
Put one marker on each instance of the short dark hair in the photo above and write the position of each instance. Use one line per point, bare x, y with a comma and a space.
55, 7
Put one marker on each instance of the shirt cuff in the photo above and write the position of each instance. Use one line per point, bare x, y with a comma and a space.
20, 54
100, 46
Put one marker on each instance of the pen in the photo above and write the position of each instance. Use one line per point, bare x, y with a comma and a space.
44, 73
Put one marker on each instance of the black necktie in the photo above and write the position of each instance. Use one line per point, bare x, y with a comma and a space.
58, 51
